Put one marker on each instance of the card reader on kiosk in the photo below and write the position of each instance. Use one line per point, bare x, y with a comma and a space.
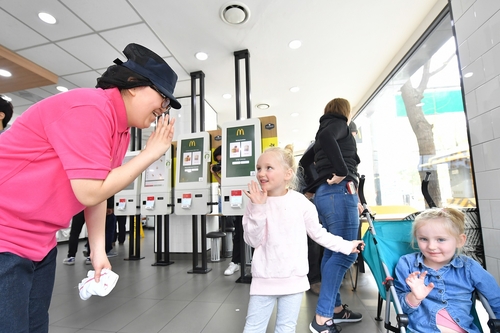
156, 187
192, 186
127, 200
241, 147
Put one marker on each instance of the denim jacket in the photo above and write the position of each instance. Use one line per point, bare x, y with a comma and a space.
454, 284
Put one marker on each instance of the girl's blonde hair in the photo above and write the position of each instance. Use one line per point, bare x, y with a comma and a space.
285, 156
339, 106
453, 221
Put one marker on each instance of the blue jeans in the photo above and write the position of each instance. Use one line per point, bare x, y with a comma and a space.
260, 308
338, 212
25, 292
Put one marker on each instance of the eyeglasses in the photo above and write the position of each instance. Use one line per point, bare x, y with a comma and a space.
166, 101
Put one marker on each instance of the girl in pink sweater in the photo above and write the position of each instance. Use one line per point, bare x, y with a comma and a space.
276, 223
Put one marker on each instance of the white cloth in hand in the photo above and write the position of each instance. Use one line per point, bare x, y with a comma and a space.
89, 287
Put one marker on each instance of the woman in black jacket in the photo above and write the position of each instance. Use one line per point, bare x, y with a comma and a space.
336, 199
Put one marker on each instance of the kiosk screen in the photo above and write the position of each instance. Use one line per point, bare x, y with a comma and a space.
191, 167
240, 155
156, 173
130, 186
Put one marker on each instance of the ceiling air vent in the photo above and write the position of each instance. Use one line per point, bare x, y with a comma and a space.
234, 13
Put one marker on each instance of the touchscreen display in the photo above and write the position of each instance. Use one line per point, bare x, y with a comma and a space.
191, 167
240, 153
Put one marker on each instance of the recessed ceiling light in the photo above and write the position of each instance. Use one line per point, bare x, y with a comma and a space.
5, 73
294, 89
295, 114
226, 96
62, 89
468, 74
295, 44
201, 56
263, 106
7, 98
47, 18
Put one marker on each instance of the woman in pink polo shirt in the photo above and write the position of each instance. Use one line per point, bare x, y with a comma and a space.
64, 155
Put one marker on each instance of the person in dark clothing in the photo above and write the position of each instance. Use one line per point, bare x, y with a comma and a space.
336, 199
76, 228
235, 263
307, 175
120, 233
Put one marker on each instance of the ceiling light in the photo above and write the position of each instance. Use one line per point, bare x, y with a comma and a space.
47, 18
234, 13
263, 106
294, 89
295, 130
295, 44
5, 73
226, 96
62, 89
201, 56
468, 74
295, 114
7, 98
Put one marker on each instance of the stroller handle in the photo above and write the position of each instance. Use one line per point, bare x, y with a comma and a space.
361, 193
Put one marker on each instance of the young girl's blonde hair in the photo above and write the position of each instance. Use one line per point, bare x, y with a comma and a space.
454, 221
285, 156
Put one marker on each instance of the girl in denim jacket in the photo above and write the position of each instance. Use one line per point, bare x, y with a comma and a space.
435, 285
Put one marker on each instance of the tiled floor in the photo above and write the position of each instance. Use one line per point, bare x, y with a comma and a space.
166, 299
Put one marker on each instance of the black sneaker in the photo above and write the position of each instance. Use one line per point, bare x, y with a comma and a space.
346, 316
327, 327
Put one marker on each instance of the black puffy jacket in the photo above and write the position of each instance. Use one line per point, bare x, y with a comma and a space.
334, 151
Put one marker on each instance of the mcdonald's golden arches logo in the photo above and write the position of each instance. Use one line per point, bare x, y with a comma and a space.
240, 131
192, 143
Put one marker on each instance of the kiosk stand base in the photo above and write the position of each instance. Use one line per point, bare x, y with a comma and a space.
162, 245
135, 238
199, 270
196, 269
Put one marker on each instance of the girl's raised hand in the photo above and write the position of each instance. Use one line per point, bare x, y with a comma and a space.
416, 282
255, 194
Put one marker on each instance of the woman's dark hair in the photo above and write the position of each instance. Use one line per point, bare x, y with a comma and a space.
7, 109
122, 78
217, 152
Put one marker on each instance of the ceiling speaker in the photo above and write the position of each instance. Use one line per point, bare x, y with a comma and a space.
234, 13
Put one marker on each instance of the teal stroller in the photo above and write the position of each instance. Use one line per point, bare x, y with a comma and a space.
385, 243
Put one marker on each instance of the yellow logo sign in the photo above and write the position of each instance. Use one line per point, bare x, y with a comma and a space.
192, 143
240, 131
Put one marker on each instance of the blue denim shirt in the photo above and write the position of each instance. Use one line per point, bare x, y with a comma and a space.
454, 284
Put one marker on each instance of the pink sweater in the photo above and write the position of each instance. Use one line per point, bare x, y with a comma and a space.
278, 231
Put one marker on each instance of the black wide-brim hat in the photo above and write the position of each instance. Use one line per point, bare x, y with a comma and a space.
145, 62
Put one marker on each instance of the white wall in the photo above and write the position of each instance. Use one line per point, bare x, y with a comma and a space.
477, 26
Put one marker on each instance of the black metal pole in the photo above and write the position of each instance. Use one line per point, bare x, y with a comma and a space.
242, 55
200, 76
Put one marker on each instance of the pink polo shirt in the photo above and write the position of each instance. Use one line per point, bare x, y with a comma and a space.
79, 134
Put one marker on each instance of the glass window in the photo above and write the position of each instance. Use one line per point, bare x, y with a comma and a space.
416, 124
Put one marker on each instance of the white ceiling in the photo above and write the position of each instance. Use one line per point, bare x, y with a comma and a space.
346, 46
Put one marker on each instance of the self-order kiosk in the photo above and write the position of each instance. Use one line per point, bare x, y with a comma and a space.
156, 187
127, 200
192, 186
241, 147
